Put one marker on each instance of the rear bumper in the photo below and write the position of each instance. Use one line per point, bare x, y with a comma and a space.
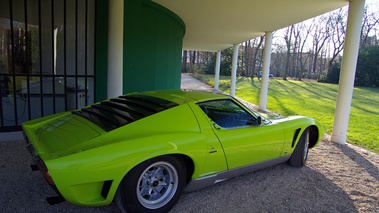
38, 163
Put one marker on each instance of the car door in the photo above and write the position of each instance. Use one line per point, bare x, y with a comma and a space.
244, 139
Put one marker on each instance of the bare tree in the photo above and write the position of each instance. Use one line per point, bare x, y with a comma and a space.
246, 57
297, 33
320, 36
338, 29
306, 31
287, 39
184, 61
192, 61
257, 44
278, 59
370, 23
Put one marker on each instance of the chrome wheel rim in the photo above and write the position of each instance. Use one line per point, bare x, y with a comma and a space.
157, 185
306, 147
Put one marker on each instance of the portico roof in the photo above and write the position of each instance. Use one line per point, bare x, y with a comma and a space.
213, 25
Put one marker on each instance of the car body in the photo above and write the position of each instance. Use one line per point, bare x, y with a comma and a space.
157, 138
269, 75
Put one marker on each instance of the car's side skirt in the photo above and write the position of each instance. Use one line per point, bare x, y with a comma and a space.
196, 184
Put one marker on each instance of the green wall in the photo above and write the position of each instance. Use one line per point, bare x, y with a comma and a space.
101, 56
153, 39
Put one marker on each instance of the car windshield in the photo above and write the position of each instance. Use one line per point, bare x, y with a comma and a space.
265, 116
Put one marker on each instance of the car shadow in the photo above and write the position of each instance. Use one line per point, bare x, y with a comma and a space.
281, 188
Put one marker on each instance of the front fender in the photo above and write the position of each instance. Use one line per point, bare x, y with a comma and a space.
294, 126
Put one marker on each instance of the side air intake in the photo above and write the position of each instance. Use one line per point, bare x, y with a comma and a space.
295, 137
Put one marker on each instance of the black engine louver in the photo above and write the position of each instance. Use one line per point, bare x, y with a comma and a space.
123, 110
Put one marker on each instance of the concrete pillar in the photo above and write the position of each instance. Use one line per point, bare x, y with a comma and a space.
234, 70
217, 69
348, 68
115, 48
265, 71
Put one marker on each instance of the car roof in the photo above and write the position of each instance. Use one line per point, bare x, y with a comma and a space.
116, 112
183, 96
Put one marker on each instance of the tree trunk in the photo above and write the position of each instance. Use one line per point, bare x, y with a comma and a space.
315, 62
184, 61
254, 60
301, 65
288, 43
246, 58
192, 61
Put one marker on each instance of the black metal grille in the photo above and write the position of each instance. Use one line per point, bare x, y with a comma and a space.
123, 110
47, 58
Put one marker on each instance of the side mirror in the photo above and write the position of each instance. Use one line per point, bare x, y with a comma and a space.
259, 120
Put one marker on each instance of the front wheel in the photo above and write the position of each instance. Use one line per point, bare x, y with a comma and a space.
153, 186
300, 154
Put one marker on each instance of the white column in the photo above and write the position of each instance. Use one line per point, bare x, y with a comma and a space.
217, 69
348, 67
234, 70
115, 48
265, 71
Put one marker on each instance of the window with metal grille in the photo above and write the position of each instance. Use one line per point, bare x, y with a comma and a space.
47, 58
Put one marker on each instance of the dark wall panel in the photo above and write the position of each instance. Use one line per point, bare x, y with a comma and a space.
153, 39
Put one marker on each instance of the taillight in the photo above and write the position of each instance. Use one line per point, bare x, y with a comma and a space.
44, 170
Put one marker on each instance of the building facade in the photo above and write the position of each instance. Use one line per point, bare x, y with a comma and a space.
54, 54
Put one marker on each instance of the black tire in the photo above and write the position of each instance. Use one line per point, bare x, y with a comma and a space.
300, 154
153, 186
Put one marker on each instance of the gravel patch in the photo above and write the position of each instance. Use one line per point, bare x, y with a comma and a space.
337, 178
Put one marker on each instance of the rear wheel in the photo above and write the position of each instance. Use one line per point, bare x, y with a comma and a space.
300, 154
153, 186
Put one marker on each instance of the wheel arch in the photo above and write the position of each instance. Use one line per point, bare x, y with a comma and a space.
189, 165
182, 163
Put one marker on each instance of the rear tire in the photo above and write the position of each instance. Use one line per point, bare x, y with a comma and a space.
153, 186
300, 154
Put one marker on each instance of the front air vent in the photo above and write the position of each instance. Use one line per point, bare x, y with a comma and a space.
123, 110
295, 137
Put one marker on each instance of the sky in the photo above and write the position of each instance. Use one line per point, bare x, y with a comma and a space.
278, 38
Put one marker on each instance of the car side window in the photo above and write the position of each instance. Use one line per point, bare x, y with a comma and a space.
227, 114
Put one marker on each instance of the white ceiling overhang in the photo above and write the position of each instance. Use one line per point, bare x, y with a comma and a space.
213, 25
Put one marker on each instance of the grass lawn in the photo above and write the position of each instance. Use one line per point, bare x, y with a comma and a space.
317, 100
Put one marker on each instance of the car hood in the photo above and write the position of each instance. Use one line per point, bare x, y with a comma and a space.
60, 135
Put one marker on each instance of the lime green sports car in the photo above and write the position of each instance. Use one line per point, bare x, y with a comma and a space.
142, 150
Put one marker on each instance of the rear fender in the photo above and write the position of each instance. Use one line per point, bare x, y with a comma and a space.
90, 170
